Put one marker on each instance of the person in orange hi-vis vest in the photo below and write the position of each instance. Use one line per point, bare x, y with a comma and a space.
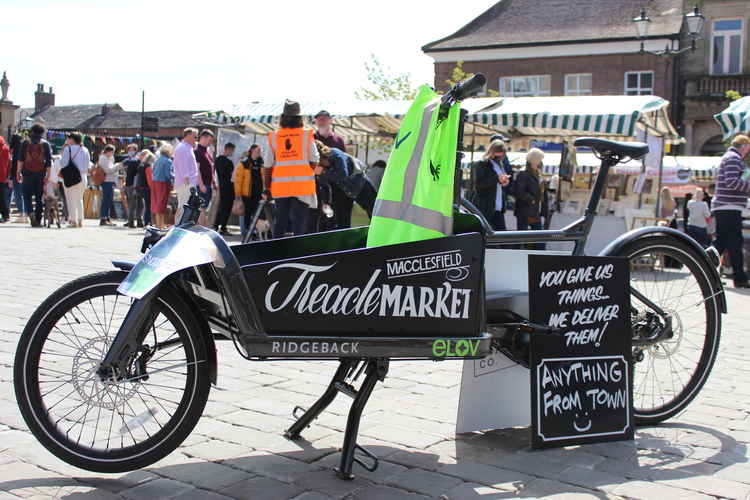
292, 161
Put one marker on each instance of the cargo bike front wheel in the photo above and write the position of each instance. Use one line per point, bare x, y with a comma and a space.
109, 426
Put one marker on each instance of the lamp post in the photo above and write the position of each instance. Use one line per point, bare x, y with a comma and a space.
694, 22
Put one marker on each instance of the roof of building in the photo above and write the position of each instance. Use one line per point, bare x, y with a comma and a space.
132, 120
511, 23
69, 117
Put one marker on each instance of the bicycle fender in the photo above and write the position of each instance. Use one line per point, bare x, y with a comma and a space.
615, 246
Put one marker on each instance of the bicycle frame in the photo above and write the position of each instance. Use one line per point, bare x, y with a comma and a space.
576, 232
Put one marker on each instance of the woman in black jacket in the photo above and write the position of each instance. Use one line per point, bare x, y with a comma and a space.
528, 194
493, 177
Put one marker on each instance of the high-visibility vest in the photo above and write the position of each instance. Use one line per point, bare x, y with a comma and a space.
292, 174
415, 199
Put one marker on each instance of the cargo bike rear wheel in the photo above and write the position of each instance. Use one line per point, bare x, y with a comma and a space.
109, 426
673, 353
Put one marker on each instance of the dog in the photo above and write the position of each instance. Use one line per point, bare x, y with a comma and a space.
262, 229
51, 211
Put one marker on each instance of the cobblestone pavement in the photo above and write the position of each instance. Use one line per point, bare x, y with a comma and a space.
237, 451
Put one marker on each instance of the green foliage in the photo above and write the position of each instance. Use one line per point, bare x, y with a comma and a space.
732, 95
384, 85
459, 75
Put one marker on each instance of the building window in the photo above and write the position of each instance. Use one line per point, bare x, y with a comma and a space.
726, 47
578, 84
639, 82
519, 86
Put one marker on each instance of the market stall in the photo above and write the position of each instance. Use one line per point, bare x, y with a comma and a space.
735, 119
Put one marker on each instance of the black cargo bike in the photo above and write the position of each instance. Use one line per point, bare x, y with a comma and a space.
113, 370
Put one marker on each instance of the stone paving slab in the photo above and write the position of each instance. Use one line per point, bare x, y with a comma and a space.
237, 450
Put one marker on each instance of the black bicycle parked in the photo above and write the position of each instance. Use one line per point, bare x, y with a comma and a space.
114, 369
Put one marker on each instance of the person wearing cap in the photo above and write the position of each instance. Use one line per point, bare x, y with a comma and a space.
324, 131
492, 179
340, 202
291, 163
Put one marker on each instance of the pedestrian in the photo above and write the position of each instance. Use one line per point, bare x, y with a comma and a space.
493, 176
528, 194
668, 205
75, 157
224, 170
292, 181
135, 202
34, 161
248, 184
163, 178
686, 209
185, 169
206, 182
107, 163
340, 171
16, 193
340, 202
324, 131
375, 173
143, 182
732, 188
5, 182
699, 217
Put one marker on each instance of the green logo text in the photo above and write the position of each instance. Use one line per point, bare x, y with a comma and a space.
447, 348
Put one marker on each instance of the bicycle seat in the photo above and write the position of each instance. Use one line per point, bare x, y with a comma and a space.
622, 149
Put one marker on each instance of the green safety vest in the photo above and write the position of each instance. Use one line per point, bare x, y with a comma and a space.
415, 199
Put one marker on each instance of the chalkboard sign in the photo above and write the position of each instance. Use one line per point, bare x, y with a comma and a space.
580, 378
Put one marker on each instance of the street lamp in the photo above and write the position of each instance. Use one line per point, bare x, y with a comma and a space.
694, 21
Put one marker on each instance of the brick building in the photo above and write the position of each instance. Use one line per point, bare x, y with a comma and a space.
563, 47
568, 47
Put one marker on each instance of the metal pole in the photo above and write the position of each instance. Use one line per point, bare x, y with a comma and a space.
367, 150
143, 110
661, 169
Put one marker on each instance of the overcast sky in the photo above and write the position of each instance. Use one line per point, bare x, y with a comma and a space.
213, 54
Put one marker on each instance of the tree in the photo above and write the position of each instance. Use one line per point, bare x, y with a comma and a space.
384, 85
459, 75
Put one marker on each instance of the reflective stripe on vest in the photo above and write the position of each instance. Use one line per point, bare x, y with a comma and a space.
292, 176
404, 210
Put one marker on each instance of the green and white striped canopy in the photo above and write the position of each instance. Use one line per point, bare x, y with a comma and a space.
548, 118
613, 116
735, 119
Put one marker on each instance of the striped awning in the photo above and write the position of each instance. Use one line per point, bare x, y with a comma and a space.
735, 119
613, 116
547, 118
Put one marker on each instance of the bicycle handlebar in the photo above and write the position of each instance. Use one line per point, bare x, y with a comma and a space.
467, 88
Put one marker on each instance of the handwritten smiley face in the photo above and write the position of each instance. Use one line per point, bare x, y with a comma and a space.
582, 423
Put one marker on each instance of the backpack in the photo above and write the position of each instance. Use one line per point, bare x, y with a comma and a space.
34, 159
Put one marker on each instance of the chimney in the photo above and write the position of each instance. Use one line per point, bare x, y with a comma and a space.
43, 99
105, 109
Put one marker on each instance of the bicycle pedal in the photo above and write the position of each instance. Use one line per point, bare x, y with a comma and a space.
370, 467
346, 389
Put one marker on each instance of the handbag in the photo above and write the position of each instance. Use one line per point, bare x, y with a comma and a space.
238, 207
70, 173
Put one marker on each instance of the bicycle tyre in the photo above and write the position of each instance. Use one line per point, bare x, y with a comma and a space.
698, 267
38, 417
